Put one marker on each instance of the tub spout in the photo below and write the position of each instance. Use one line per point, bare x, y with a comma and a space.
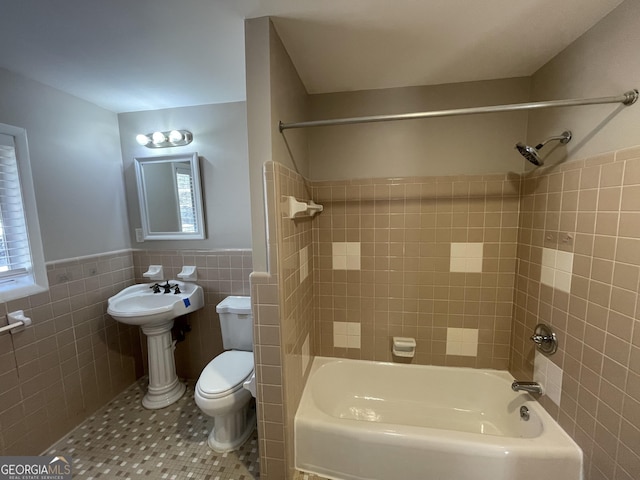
531, 387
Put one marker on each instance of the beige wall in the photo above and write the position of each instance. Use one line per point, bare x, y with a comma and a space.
73, 359
475, 144
404, 287
603, 62
284, 323
220, 273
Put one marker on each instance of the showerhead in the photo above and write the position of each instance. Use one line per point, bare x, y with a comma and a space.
532, 153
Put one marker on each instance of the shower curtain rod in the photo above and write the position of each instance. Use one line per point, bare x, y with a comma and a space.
627, 98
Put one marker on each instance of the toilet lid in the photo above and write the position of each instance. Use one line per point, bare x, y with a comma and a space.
226, 372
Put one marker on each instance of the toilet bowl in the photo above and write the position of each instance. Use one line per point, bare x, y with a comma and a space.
227, 384
220, 393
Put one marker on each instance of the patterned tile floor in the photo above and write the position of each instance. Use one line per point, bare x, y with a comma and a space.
307, 476
123, 440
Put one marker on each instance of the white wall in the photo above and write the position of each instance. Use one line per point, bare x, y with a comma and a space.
77, 169
602, 62
274, 92
220, 139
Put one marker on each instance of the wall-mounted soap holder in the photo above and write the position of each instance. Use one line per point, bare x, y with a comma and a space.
189, 273
404, 347
294, 209
155, 272
545, 339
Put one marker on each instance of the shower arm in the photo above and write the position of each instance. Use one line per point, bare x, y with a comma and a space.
627, 98
564, 138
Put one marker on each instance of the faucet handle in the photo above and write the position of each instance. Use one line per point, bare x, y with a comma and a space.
545, 339
540, 339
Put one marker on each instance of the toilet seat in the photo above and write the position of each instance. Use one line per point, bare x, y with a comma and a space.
225, 374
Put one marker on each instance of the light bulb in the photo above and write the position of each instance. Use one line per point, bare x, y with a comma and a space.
158, 138
175, 136
142, 139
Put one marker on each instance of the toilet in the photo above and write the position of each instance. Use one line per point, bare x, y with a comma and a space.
226, 385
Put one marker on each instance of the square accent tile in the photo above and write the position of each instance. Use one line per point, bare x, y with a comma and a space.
466, 257
346, 255
346, 334
557, 268
462, 341
549, 375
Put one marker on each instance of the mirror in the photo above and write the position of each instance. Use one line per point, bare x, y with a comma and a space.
170, 197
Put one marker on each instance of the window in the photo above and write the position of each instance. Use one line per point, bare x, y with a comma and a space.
22, 268
186, 201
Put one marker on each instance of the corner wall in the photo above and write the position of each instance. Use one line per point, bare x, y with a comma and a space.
590, 211
589, 192
601, 63
274, 92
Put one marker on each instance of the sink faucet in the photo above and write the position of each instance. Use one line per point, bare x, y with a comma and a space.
531, 387
167, 287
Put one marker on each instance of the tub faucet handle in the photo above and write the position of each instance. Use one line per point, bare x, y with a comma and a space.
545, 339
537, 338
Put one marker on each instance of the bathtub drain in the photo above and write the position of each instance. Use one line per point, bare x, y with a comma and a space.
524, 413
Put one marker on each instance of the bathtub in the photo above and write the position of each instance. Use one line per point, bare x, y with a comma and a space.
362, 420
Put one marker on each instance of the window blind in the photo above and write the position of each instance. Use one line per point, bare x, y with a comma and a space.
15, 256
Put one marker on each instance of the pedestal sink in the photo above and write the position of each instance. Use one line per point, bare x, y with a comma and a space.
154, 313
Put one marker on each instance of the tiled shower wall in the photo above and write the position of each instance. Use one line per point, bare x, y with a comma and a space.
431, 258
400, 257
72, 360
283, 307
587, 215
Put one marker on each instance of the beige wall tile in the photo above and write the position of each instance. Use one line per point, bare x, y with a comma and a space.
597, 357
67, 336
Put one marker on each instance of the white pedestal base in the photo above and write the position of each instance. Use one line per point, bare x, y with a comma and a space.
232, 430
164, 386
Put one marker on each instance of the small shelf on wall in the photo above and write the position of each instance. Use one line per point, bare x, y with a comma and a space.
296, 209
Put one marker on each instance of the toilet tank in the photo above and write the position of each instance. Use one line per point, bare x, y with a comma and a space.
236, 323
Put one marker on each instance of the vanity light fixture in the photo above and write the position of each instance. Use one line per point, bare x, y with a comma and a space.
172, 138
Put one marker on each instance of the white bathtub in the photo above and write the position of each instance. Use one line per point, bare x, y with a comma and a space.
362, 420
